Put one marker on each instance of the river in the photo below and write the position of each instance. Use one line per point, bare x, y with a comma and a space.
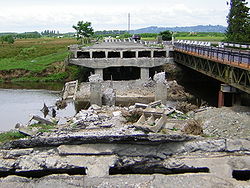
18, 102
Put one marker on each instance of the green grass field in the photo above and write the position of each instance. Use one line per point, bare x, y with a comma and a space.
34, 55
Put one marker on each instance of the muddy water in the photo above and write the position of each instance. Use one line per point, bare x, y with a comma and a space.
18, 105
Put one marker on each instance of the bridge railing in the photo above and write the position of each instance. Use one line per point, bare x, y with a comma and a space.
241, 58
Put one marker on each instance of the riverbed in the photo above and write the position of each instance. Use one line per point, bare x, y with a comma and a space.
19, 105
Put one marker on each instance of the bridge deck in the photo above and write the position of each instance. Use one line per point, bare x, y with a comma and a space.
228, 66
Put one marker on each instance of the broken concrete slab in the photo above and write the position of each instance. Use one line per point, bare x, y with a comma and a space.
155, 104
141, 105
26, 131
86, 149
159, 124
233, 145
42, 120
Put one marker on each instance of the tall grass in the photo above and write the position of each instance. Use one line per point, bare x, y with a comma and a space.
34, 55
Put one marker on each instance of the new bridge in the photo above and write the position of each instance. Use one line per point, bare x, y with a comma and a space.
229, 66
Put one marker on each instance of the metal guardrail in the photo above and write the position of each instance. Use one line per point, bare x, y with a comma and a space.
238, 57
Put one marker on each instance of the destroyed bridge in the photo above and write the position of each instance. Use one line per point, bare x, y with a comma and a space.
231, 67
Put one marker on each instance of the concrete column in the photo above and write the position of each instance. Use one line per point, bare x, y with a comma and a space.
161, 92
144, 73
121, 54
99, 71
167, 52
136, 54
106, 54
91, 54
152, 53
96, 93
221, 99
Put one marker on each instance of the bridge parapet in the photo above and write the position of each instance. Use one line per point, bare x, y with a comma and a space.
236, 58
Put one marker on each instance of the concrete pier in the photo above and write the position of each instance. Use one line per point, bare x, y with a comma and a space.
95, 93
144, 73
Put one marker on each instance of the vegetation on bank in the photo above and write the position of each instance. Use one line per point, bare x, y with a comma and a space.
15, 135
10, 135
41, 59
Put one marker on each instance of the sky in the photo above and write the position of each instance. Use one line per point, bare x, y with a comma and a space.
60, 15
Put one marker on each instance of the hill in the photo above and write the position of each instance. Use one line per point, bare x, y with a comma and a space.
198, 28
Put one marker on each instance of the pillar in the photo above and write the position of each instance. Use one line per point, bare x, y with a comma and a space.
220, 99
161, 92
144, 73
152, 53
100, 72
96, 93
136, 54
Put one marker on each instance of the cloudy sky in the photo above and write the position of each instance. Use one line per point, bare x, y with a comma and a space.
38, 15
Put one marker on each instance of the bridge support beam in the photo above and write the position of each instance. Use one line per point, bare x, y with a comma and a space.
100, 72
144, 73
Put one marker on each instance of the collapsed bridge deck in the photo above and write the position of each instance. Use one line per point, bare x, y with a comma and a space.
121, 54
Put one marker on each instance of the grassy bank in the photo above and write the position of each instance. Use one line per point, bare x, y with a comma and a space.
35, 60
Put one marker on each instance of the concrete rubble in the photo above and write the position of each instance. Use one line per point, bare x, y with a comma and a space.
144, 145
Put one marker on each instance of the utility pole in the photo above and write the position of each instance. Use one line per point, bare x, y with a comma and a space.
128, 22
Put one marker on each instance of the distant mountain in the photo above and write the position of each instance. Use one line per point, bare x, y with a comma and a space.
198, 28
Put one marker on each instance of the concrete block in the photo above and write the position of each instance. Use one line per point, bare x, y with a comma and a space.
95, 94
